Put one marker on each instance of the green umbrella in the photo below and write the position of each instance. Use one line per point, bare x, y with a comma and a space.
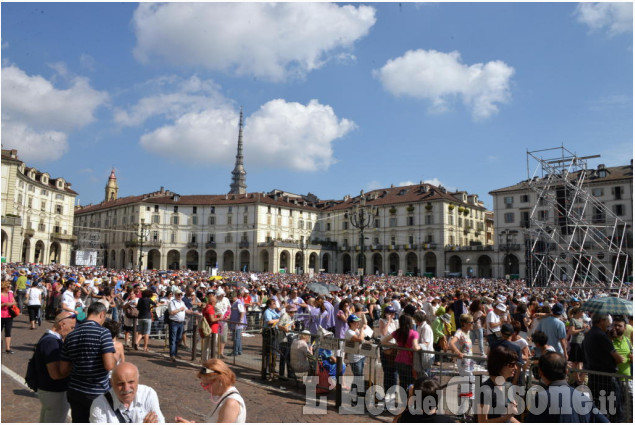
609, 305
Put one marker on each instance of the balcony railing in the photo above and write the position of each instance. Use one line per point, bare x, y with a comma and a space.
63, 237
131, 244
29, 232
210, 244
12, 221
192, 244
509, 247
598, 218
243, 244
153, 244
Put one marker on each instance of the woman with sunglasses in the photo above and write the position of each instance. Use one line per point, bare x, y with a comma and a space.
494, 404
228, 405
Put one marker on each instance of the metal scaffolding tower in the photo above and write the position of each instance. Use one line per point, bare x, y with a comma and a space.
583, 241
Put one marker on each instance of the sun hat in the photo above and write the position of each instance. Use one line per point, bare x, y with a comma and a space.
501, 307
446, 318
220, 292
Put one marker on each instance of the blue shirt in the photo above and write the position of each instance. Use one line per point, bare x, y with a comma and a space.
555, 330
268, 315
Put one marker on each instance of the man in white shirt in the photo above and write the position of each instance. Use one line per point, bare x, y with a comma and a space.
222, 307
177, 310
126, 401
493, 323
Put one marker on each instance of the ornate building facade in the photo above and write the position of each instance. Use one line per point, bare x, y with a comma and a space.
37, 214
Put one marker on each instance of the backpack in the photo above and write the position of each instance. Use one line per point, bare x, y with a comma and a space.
30, 378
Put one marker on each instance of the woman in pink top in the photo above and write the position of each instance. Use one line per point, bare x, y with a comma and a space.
7, 301
406, 337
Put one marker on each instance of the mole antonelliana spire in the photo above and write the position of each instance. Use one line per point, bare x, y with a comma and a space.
239, 185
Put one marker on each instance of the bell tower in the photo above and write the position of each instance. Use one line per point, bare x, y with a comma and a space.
111, 187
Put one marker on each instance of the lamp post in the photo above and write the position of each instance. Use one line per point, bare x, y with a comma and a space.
362, 217
303, 246
141, 236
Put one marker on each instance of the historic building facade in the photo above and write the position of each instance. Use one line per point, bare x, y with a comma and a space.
37, 214
513, 205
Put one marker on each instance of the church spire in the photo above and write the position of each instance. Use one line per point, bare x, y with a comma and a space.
239, 185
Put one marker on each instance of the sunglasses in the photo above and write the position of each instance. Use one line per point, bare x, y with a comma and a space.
206, 371
72, 316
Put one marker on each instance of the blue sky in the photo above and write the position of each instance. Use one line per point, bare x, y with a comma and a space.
336, 97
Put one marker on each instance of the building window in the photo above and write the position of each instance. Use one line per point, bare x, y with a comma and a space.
193, 239
451, 220
429, 219
175, 219
148, 208
41, 227
411, 239
59, 209
176, 208
212, 210
392, 222
597, 192
193, 210
328, 227
509, 201
43, 205
509, 217
618, 210
246, 209
411, 221
212, 238
228, 238
429, 239
229, 219
156, 208
345, 242
543, 215
194, 219
155, 219
617, 192
245, 219
524, 198
44, 192
229, 209
173, 237
345, 225
268, 209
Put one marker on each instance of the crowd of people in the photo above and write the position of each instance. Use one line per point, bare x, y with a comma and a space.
414, 318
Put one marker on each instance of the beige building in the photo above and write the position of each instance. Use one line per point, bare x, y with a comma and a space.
418, 229
612, 187
37, 214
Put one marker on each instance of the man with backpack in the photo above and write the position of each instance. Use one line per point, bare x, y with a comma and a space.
45, 376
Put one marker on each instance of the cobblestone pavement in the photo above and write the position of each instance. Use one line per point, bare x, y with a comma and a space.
176, 384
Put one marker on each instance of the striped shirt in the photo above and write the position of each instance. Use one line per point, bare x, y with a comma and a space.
83, 347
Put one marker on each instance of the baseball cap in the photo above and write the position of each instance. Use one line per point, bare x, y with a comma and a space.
507, 329
389, 309
353, 318
557, 309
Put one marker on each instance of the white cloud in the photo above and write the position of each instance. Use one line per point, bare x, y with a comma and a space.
373, 185
615, 18
406, 183
266, 40
175, 98
441, 77
47, 145
36, 116
280, 134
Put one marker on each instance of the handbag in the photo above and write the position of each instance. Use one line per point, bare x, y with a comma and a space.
14, 311
131, 311
204, 329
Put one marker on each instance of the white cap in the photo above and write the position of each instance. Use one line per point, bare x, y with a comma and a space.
501, 307
220, 292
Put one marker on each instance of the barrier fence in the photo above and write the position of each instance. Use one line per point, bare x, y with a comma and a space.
382, 370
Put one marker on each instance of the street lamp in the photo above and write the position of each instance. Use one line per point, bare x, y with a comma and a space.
141, 237
303, 247
362, 217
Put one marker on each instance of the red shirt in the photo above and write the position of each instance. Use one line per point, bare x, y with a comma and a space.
209, 313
